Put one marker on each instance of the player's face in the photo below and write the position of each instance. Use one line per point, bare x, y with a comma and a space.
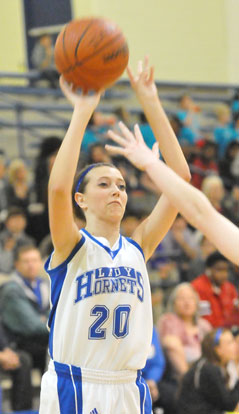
105, 194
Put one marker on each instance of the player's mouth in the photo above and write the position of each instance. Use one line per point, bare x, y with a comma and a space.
115, 202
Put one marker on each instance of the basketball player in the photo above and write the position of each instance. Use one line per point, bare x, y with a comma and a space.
101, 317
192, 203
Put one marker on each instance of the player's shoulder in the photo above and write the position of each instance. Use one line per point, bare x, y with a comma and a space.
134, 244
58, 262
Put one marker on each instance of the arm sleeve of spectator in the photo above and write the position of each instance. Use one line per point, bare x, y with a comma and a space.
3, 338
19, 315
212, 386
6, 261
170, 324
155, 365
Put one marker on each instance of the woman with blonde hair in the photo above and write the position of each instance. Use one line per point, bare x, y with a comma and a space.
181, 329
213, 188
18, 189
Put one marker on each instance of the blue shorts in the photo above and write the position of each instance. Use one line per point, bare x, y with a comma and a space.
67, 389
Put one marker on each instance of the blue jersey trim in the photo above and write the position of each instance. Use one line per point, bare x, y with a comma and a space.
57, 276
69, 387
63, 264
144, 394
112, 253
136, 245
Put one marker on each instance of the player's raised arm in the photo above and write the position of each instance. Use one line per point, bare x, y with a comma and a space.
191, 202
147, 94
64, 231
152, 230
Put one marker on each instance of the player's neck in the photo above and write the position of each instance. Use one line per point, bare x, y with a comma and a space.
101, 229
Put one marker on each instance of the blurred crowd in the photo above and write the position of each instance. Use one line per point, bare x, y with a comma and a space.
195, 344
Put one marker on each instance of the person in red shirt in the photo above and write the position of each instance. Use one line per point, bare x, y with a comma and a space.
205, 164
218, 297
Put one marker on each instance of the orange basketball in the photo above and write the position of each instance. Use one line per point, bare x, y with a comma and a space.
91, 53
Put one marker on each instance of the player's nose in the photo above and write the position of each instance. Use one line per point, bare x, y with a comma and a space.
115, 189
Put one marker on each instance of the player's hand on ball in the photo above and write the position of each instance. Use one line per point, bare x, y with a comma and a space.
132, 146
143, 82
77, 98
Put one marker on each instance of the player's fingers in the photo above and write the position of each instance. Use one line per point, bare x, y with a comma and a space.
138, 135
151, 74
130, 74
140, 67
126, 132
114, 150
62, 83
146, 62
65, 87
116, 138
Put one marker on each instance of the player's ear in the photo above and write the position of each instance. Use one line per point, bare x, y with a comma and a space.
80, 200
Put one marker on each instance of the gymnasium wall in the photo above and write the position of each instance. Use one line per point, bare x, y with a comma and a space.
12, 45
186, 40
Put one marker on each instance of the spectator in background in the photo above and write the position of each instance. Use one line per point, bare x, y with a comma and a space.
204, 164
38, 223
235, 104
146, 130
230, 205
224, 131
236, 125
181, 245
226, 163
97, 127
3, 185
233, 365
164, 276
18, 187
18, 365
98, 153
188, 115
25, 305
197, 265
163, 393
47, 153
218, 297
181, 330
43, 60
122, 114
12, 237
205, 388
213, 188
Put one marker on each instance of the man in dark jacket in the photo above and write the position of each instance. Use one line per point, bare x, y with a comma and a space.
18, 366
25, 305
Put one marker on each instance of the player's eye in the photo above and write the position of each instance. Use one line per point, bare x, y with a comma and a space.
122, 187
103, 184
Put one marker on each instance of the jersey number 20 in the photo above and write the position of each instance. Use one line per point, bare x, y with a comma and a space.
120, 327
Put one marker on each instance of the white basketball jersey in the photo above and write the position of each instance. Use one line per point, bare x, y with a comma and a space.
101, 315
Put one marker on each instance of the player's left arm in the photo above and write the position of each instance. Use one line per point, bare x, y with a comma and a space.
146, 91
152, 230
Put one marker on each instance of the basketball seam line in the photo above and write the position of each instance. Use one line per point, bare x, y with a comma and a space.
64, 48
83, 34
93, 54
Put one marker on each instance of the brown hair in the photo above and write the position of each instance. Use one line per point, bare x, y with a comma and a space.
24, 249
209, 343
